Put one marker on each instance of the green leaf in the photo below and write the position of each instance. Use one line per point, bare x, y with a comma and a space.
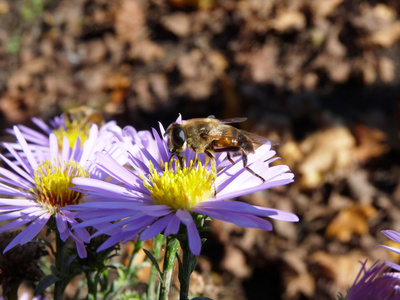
153, 260
45, 283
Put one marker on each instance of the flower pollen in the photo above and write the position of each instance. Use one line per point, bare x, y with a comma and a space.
53, 183
181, 188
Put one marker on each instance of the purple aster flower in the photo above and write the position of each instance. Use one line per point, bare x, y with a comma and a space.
38, 183
73, 124
153, 196
375, 283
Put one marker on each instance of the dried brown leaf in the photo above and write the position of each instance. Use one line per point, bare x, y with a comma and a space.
386, 69
235, 262
130, 21
288, 20
263, 63
351, 221
4, 7
323, 8
325, 152
387, 36
371, 142
178, 23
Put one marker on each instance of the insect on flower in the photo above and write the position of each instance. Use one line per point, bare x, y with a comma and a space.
208, 135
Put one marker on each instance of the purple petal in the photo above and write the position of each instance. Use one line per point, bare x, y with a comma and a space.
242, 207
393, 235
113, 168
25, 148
155, 228
162, 146
66, 149
28, 233
14, 179
284, 179
88, 146
61, 223
242, 220
42, 125
80, 247
393, 249
22, 221
138, 220
173, 226
8, 190
99, 220
21, 202
192, 232
34, 136
100, 187
27, 175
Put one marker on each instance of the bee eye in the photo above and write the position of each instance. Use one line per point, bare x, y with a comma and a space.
178, 136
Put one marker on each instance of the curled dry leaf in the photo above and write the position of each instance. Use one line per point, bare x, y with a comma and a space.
325, 152
4, 7
371, 143
322, 9
387, 36
178, 23
130, 21
386, 69
235, 262
288, 20
301, 282
351, 221
118, 84
262, 63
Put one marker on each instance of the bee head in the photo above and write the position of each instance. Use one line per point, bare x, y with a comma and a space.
176, 138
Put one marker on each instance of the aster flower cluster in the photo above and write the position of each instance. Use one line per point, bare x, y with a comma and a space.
158, 197
123, 183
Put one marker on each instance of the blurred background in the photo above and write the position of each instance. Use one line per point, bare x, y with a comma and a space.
321, 77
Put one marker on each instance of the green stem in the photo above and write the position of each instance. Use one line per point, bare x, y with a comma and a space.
169, 260
157, 245
186, 268
92, 284
60, 285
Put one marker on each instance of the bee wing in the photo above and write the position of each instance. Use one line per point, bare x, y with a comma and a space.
257, 139
233, 120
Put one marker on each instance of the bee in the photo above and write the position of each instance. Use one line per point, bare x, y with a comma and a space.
210, 135
83, 117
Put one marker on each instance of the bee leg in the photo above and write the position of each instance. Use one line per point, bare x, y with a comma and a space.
211, 156
179, 155
196, 158
244, 156
170, 160
228, 155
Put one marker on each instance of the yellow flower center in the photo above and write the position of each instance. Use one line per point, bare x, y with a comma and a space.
52, 183
181, 188
72, 133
